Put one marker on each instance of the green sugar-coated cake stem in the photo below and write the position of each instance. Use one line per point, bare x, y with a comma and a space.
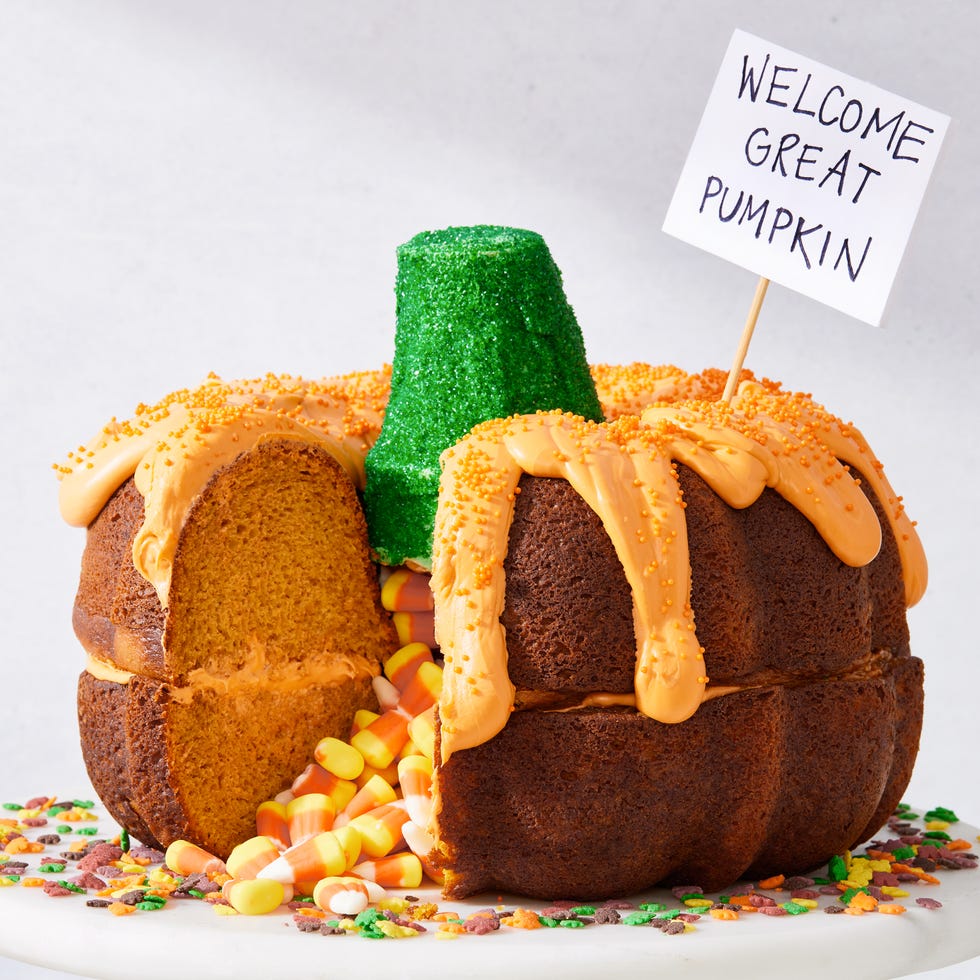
483, 331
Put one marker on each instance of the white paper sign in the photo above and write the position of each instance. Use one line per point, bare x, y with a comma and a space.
806, 176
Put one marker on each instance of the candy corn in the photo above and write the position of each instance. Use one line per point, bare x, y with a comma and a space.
415, 778
309, 860
254, 897
309, 814
402, 870
315, 779
251, 856
406, 591
375, 792
270, 821
186, 859
380, 829
339, 758
401, 666
342, 896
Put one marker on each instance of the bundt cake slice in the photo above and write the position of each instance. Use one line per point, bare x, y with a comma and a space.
228, 606
675, 648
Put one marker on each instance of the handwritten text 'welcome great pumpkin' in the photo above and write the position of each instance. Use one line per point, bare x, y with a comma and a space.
787, 154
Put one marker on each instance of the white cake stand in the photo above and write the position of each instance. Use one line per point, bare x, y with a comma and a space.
188, 938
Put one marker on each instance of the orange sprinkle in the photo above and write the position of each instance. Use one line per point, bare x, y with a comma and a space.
32, 882
312, 913
724, 914
958, 845
121, 908
918, 872
522, 919
862, 900
774, 882
892, 908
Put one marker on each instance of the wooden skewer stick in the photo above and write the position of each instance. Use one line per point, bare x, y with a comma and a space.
743, 344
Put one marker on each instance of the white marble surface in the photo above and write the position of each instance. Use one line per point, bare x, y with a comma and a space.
189, 187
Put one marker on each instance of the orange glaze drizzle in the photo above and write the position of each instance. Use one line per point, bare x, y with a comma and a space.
172, 449
626, 471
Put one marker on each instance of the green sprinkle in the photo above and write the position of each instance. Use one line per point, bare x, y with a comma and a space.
669, 914
333, 923
692, 895
572, 924
72, 888
84, 804
195, 893
64, 828
652, 906
149, 906
850, 893
55, 810
88, 831
546, 920
370, 932
368, 917
822, 881
14, 878
123, 840
794, 909
12, 806
304, 898
636, 918
585, 910
54, 868
937, 835
942, 813
837, 868
725, 899
903, 853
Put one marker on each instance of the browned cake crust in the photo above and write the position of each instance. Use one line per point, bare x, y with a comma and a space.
169, 771
807, 759
272, 563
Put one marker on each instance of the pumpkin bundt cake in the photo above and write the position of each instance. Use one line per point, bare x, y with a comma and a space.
227, 601
674, 640
675, 644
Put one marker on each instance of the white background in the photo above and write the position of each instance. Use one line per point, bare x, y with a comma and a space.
193, 186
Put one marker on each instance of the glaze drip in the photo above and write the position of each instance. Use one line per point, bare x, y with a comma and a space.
626, 471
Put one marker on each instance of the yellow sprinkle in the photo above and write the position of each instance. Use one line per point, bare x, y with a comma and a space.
394, 931
894, 892
224, 910
396, 905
